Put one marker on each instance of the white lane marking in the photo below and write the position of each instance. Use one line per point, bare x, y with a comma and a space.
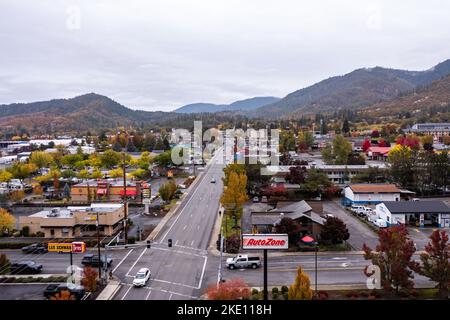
184, 228
123, 298
203, 273
162, 290
170, 297
182, 210
183, 252
198, 227
191, 213
148, 295
176, 243
140, 256
175, 283
121, 261
192, 243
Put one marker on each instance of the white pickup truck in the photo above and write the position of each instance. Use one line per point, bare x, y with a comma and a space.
243, 261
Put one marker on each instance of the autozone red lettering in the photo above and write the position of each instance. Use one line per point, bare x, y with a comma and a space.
269, 242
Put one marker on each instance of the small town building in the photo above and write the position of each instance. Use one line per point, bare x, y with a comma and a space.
378, 153
265, 221
415, 213
370, 193
433, 129
74, 221
108, 190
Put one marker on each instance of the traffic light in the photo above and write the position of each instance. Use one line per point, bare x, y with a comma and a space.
148, 244
169, 242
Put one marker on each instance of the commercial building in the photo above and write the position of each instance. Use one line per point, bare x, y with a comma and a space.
338, 174
434, 129
378, 153
370, 193
415, 213
73, 222
109, 190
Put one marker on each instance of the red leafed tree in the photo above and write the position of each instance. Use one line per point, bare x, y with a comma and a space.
410, 140
275, 191
89, 280
296, 174
393, 256
366, 145
383, 143
375, 134
435, 262
234, 289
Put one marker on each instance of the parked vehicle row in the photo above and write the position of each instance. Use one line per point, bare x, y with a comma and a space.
369, 214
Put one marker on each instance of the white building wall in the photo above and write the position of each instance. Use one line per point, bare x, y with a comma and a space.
383, 212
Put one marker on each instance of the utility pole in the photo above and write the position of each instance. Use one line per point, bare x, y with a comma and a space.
221, 256
265, 292
125, 198
98, 250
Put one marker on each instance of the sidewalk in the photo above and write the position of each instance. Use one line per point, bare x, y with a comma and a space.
110, 290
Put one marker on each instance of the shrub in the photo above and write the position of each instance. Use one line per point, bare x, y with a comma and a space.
26, 231
40, 234
275, 290
255, 291
286, 296
131, 240
233, 243
284, 289
274, 295
254, 296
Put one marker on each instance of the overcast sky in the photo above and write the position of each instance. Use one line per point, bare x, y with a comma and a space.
159, 55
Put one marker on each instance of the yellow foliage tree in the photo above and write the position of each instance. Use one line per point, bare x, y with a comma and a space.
17, 195
5, 176
7, 221
115, 173
300, 289
234, 194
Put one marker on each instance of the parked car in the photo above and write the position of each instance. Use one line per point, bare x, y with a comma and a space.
380, 223
91, 260
35, 248
25, 267
141, 277
243, 261
255, 199
77, 291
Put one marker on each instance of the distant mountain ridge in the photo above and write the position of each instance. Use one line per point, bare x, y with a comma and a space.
357, 89
243, 105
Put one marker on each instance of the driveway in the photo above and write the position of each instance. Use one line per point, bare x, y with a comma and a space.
359, 232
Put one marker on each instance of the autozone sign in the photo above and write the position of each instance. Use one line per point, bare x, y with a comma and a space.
265, 241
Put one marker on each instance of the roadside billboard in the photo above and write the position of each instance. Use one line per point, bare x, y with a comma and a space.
265, 241
75, 247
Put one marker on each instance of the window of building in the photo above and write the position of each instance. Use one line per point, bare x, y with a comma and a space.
52, 232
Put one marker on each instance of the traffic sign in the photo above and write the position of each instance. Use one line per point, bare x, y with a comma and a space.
146, 201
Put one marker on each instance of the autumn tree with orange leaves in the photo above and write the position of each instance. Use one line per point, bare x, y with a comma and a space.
89, 280
63, 295
234, 289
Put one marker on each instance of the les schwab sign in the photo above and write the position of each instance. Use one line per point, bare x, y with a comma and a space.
265, 241
74, 247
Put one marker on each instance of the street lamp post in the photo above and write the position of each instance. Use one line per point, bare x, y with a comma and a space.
98, 250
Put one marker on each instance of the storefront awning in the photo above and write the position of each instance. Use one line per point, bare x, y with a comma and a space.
129, 193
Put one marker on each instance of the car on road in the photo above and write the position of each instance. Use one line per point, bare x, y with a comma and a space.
255, 199
243, 261
77, 291
25, 267
141, 277
35, 248
213, 180
91, 260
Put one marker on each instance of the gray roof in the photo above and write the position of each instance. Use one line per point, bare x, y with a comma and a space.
294, 211
417, 207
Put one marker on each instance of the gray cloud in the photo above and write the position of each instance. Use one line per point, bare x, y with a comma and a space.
158, 55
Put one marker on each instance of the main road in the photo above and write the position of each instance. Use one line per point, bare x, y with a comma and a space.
178, 272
